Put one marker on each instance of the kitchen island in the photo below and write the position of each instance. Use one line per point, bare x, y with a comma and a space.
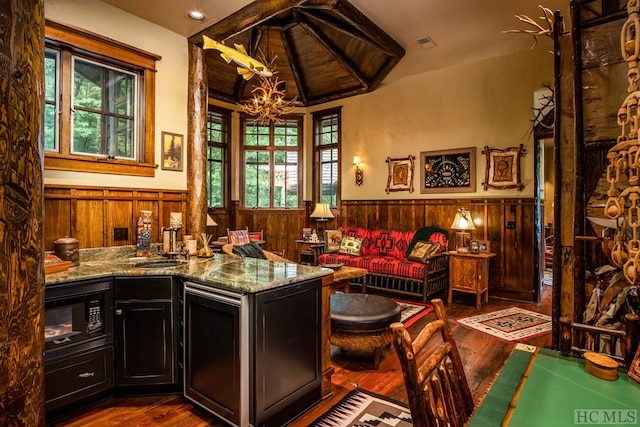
252, 334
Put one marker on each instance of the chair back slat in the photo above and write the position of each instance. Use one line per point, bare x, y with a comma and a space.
619, 344
435, 381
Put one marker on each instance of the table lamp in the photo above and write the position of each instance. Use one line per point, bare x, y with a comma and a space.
463, 223
322, 213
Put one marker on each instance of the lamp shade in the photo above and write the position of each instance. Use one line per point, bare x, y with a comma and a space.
322, 212
463, 220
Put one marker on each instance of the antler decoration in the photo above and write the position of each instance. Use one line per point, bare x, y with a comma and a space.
539, 29
268, 101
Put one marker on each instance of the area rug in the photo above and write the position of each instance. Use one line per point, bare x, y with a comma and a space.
362, 408
511, 324
411, 311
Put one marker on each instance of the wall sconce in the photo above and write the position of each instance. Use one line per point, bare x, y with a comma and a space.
463, 223
359, 172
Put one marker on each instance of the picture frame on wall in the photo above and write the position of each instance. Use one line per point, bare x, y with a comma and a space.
400, 174
172, 152
448, 171
503, 167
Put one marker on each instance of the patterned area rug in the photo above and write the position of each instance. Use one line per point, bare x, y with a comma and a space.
362, 408
411, 311
511, 324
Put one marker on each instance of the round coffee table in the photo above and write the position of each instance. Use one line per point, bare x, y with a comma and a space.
361, 322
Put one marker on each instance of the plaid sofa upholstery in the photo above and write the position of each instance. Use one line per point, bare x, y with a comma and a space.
384, 255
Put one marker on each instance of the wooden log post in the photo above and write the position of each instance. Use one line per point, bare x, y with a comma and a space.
197, 142
21, 200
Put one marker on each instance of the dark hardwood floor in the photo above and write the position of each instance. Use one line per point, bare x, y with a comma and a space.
482, 355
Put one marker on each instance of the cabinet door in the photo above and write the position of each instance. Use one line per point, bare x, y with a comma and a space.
212, 355
465, 273
145, 342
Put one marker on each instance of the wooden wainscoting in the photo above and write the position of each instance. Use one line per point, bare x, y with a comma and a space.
92, 214
508, 224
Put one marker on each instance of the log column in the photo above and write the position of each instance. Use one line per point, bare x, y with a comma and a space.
197, 142
21, 201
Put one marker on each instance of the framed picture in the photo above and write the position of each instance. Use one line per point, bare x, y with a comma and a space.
306, 234
484, 247
448, 171
332, 239
400, 174
172, 153
634, 368
503, 167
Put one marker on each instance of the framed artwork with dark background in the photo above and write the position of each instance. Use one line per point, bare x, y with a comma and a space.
448, 171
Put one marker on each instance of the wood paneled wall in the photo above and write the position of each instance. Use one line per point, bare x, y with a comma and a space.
91, 214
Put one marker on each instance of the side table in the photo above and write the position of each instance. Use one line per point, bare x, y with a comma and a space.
308, 251
469, 273
343, 275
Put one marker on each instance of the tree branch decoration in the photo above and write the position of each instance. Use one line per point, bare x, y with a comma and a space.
268, 102
538, 30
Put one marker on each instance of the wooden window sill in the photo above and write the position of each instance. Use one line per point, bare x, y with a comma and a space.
98, 165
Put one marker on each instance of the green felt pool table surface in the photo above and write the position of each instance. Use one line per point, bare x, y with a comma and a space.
555, 388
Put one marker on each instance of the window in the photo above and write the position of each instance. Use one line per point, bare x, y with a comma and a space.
218, 137
51, 97
327, 135
104, 110
96, 94
271, 154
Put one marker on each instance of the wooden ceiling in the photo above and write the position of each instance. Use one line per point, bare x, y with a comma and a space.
324, 50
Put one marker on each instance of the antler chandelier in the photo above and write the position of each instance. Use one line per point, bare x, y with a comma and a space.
269, 102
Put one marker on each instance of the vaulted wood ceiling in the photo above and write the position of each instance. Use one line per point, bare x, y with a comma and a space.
324, 50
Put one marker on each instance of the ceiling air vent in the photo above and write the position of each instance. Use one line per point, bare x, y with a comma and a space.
426, 42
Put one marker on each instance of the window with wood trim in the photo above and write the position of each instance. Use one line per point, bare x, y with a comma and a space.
327, 134
271, 156
218, 137
99, 104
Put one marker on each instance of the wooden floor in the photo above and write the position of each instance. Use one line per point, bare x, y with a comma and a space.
481, 354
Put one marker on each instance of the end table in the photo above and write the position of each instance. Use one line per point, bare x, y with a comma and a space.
469, 273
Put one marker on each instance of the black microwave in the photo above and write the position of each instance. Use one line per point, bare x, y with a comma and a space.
77, 312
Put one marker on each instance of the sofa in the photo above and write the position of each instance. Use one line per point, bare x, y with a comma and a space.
385, 255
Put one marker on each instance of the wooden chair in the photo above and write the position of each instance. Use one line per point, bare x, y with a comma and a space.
228, 249
434, 377
578, 338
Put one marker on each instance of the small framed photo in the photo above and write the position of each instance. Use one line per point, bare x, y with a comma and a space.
306, 234
172, 153
475, 247
484, 247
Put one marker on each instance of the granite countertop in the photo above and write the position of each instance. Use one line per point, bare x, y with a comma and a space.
242, 275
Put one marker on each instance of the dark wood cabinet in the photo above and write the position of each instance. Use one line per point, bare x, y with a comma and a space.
145, 331
253, 359
77, 378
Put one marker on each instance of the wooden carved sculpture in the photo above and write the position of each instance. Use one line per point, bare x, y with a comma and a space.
623, 170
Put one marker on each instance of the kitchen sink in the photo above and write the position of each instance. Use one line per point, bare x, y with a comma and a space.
161, 264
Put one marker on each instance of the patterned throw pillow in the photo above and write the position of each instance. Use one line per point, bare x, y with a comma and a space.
350, 246
423, 250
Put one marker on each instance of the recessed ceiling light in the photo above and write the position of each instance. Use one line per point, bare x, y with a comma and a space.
196, 16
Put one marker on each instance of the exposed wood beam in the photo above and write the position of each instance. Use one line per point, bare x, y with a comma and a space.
365, 25
245, 18
348, 31
293, 63
334, 51
383, 72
